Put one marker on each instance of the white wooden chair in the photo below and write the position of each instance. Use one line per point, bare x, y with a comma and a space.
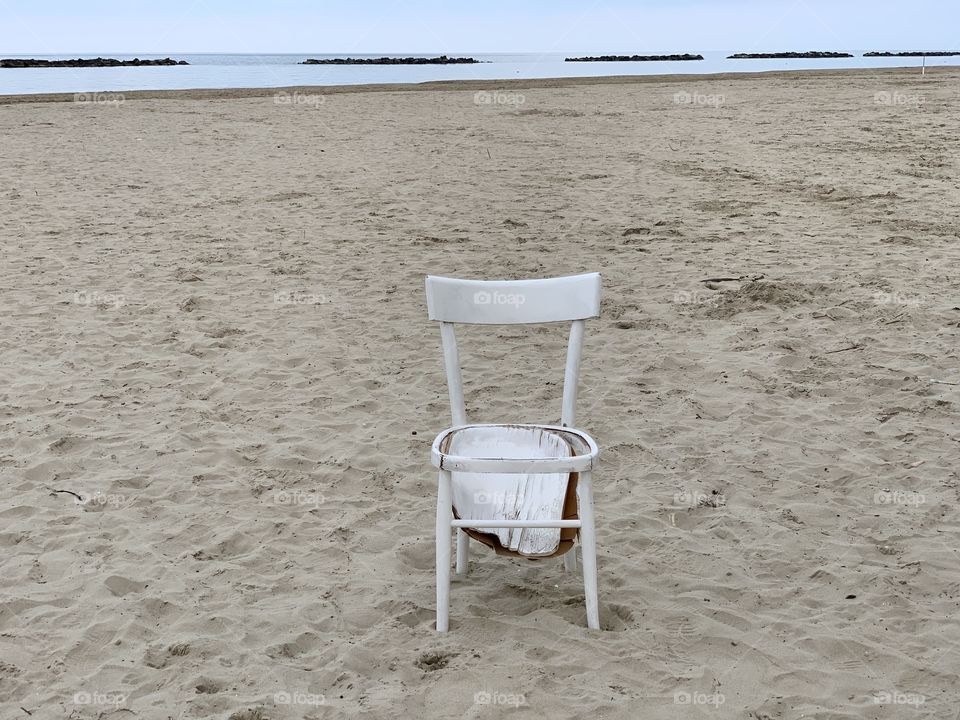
524, 490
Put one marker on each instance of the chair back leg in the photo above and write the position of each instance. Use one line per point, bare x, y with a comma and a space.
588, 549
570, 561
463, 552
444, 516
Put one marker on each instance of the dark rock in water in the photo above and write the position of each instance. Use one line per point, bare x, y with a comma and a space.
86, 62
635, 58
810, 54
938, 53
442, 60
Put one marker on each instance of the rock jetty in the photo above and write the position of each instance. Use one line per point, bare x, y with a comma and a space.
442, 60
810, 54
86, 62
634, 58
937, 53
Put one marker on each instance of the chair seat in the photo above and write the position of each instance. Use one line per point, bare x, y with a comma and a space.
537, 481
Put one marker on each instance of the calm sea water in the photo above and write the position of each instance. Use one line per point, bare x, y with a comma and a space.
235, 71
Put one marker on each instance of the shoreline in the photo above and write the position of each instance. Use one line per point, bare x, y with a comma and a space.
467, 85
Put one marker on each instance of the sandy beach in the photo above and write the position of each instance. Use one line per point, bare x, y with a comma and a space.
220, 389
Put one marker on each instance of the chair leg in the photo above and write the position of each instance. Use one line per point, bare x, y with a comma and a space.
444, 515
463, 552
588, 549
570, 560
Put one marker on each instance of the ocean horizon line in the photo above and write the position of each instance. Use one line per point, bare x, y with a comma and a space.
414, 53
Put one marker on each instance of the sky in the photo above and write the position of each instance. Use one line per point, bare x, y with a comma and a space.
479, 26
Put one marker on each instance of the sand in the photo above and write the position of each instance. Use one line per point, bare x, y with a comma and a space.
214, 332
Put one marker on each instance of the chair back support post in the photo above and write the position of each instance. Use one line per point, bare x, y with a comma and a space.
571, 377
451, 362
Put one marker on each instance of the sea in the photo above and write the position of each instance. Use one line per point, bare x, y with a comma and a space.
283, 70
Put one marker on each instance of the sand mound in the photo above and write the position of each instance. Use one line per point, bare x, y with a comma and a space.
756, 294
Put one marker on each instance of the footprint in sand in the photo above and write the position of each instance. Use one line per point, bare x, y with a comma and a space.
121, 586
159, 658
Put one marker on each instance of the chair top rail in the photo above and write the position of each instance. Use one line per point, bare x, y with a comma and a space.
510, 302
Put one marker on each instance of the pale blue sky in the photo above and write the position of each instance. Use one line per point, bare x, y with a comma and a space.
390, 26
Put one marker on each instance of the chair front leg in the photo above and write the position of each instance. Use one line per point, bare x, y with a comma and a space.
444, 516
588, 549
463, 552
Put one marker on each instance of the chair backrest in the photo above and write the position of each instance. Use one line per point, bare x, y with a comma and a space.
511, 302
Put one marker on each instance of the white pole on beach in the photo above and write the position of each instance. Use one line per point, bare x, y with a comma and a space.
924, 71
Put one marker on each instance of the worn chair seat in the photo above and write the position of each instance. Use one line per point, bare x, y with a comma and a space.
516, 495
